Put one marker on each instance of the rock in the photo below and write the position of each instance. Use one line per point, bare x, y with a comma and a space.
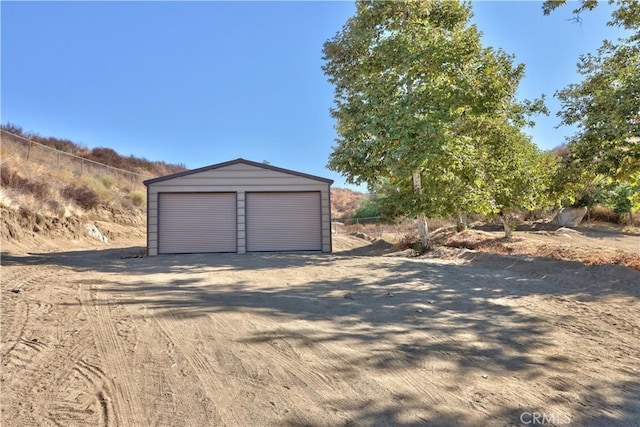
565, 230
94, 233
360, 235
569, 217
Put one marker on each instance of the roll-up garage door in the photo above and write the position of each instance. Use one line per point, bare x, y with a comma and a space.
197, 222
283, 221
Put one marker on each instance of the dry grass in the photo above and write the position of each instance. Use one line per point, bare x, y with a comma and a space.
102, 155
488, 242
139, 198
47, 184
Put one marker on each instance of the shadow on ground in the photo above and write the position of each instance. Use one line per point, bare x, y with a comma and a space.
414, 309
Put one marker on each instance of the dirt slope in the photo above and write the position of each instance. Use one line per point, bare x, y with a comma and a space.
94, 337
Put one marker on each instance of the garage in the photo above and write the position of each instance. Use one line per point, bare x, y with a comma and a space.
238, 206
197, 222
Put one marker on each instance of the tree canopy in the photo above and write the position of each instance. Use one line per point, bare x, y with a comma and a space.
425, 110
605, 105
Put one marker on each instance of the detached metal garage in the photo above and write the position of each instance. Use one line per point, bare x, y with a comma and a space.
238, 206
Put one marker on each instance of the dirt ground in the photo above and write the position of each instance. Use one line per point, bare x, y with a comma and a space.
595, 244
100, 337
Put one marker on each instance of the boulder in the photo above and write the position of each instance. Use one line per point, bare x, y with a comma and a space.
93, 232
569, 217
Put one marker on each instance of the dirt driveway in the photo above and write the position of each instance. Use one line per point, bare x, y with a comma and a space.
89, 338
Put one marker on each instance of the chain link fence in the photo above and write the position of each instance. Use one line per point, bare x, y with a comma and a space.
32, 151
374, 227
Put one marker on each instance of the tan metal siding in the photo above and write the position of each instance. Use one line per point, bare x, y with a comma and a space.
237, 178
196, 222
287, 221
239, 175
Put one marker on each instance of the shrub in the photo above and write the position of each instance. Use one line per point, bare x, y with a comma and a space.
97, 186
12, 179
107, 181
370, 208
620, 198
138, 198
604, 213
56, 208
410, 241
84, 197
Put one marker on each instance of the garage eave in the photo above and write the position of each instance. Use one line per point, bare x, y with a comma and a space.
233, 162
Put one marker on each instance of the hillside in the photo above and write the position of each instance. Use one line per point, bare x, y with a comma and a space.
103, 155
344, 202
55, 191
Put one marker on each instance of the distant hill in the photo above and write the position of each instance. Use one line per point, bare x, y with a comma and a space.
344, 202
104, 155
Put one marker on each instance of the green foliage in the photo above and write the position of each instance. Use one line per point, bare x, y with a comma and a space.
427, 115
619, 197
594, 193
370, 208
605, 105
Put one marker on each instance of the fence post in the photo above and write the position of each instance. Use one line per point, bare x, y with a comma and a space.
81, 166
29, 150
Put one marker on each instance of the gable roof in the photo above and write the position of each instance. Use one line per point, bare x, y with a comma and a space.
234, 162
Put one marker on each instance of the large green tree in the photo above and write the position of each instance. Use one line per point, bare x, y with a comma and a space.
605, 105
424, 108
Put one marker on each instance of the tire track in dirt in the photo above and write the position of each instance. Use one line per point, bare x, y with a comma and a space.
19, 305
171, 390
218, 393
120, 404
40, 361
97, 380
612, 324
294, 370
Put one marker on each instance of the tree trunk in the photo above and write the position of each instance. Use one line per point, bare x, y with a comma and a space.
508, 232
423, 226
461, 224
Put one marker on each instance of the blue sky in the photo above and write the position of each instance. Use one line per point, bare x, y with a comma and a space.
205, 82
